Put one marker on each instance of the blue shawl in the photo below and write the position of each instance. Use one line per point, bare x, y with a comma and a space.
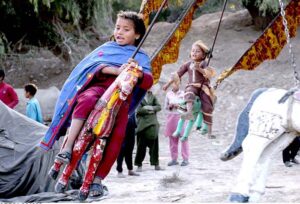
109, 53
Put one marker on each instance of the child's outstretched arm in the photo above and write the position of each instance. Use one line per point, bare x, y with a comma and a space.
111, 70
174, 79
166, 86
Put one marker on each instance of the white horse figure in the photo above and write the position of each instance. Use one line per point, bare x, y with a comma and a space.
270, 121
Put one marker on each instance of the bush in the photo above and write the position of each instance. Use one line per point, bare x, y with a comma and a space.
262, 11
264, 7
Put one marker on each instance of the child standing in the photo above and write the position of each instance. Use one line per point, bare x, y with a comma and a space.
33, 109
7, 93
87, 83
127, 149
147, 131
172, 101
199, 76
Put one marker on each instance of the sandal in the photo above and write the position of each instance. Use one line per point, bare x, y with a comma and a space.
211, 137
100, 190
64, 157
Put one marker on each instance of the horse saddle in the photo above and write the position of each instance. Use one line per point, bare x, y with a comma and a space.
297, 95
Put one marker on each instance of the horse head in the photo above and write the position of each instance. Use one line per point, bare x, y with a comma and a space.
128, 80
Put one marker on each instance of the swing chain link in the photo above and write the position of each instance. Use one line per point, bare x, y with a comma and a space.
287, 33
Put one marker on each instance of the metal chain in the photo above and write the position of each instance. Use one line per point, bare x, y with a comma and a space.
287, 33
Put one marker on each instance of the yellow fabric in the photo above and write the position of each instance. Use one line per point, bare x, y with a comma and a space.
147, 7
170, 51
269, 44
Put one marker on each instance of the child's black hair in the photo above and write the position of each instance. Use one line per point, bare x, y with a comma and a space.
139, 26
30, 88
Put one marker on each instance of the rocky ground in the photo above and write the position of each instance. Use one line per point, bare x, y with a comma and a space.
206, 179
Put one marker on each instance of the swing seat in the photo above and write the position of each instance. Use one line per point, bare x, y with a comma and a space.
297, 95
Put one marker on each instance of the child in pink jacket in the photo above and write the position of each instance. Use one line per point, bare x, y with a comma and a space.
172, 101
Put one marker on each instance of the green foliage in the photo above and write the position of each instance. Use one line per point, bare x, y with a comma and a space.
264, 6
66, 9
3, 43
170, 14
211, 6
35, 19
35, 22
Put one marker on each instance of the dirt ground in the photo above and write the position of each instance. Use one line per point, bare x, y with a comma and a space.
207, 178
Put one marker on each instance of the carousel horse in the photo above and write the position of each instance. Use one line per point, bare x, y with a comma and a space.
266, 126
96, 130
197, 118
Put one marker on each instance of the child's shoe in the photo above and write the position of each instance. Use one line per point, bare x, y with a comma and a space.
132, 173
158, 168
203, 131
288, 164
139, 169
172, 163
184, 163
211, 137
64, 157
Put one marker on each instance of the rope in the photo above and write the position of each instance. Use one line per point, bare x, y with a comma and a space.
213, 45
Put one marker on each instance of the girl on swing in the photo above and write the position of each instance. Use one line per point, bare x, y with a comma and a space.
88, 82
199, 75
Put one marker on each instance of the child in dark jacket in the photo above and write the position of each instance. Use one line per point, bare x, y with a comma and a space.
147, 131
